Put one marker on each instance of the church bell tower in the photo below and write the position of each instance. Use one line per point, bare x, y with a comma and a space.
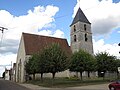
81, 35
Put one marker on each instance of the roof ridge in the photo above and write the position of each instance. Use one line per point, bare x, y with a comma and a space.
43, 35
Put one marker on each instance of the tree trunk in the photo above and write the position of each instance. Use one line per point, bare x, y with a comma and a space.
81, 75
117, 75
53, 75
88, 74
34, 76
41, 76
104, 75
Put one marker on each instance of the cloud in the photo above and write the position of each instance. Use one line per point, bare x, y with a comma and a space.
35, 21
45, 32
104, 15
58, 33
118, 31
9, 45
40, 20
7, 58
31, 22
103, 26
100, 46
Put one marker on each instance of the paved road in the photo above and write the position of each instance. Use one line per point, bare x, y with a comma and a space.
8, 85
90, 87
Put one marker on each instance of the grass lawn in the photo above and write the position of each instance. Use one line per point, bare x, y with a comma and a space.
67, 82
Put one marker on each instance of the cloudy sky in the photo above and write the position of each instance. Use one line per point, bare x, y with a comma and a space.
53, 18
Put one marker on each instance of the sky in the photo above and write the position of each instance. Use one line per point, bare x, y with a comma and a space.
53, 18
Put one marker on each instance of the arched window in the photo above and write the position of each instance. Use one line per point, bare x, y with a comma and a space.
86, 37
85, 27
74, 28
75, 38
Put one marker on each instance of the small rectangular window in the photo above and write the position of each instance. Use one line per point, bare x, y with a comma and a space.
74, 28
85, 27
74, 38
86, 37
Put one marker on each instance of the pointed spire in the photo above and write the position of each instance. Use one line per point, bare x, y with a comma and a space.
80, 16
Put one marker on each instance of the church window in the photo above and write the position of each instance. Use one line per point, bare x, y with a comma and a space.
20, 62
74, 38
85, 27
86, 37
74, 28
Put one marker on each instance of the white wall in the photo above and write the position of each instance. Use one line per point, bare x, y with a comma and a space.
20, 57
7, 76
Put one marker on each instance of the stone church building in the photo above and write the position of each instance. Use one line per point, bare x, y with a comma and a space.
81, 38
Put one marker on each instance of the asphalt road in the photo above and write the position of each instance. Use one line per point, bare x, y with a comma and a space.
8, 85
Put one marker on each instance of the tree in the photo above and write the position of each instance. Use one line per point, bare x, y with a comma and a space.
77, 63
82, 61
31, 65
102, 62
90, 64
105, 62
56, 59
42, 61
51, 59
114, 66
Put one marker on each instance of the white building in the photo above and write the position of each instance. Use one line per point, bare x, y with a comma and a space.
30, 44
7, 74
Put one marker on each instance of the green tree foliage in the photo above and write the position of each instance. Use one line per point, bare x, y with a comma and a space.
42, 63
90, 64
56, 59
37, 64
116, 65
82, 61
51, 60
105, 62
112, 64
31, 65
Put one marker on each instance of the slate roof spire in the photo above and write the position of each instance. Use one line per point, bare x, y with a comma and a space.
80, 16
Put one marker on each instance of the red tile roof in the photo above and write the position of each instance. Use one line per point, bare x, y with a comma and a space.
34, 43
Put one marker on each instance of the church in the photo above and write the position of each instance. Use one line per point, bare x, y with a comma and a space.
81, 38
